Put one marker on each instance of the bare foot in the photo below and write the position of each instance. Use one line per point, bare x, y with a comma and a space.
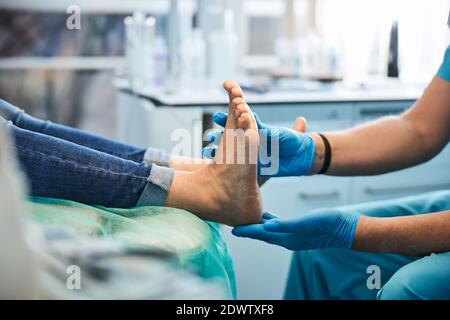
235, 163
227, 190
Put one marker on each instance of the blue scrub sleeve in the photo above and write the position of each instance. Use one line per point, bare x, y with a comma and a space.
444, 70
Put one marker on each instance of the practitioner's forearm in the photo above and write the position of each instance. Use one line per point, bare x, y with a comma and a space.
409, 235
391, 143
382, 146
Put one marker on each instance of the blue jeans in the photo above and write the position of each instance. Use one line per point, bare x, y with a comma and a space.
343, 274
63, 162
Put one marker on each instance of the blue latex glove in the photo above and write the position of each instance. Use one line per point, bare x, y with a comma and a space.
319, 229
296, 149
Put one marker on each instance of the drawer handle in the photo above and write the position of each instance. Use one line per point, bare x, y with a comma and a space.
318, 195
380, 112
383, 191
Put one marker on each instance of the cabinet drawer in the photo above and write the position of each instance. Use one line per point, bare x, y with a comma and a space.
312, 112
372, 110
294, 196
442, 159
404, 183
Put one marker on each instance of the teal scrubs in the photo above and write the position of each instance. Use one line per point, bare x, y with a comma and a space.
444, 70
343, 274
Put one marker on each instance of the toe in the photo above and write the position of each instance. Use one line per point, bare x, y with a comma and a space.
248, 121
229, 84
236, 92
240, 109
233, 89
237, 101
244, 121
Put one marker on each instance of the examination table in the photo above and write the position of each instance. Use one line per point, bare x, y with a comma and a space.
40, 237
196, 245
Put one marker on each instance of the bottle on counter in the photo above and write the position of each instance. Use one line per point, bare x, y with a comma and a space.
193, 53
160, 55
222, 50
147, 68
131, 43
139, 43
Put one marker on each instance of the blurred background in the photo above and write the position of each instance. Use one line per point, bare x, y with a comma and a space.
67, 75
141, 70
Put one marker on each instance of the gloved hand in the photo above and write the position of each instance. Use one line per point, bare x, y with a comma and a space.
319, 229
296, 149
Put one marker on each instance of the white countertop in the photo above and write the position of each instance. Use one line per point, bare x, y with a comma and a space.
216, 96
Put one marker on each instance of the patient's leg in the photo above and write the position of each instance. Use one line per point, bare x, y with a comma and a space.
57, 168
225, 191
148, 155
220, 192
24, 121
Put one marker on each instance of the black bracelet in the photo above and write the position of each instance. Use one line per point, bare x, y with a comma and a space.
327, 160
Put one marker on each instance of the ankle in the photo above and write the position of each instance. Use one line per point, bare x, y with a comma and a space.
204, 186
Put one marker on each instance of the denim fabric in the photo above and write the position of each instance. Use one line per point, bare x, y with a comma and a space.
24, 121
156, 190
66, 163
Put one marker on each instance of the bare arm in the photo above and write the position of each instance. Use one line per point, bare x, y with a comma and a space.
391, 143
409, 235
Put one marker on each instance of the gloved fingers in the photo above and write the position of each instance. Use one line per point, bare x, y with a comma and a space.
220, 118
269, 216
260, 124
256, 231
300, 124
209, 152
284, 226
248, 231
214, 137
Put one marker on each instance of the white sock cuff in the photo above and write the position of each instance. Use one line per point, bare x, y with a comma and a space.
157, 156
